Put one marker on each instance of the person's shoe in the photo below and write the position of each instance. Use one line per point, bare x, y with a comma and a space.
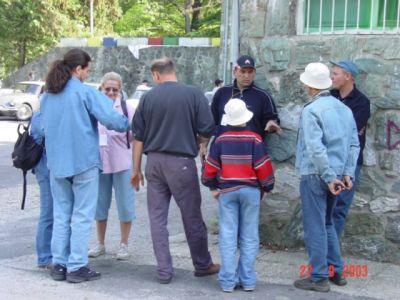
227, 290
307, 284
58, 272
98, 250
82, 274
338, 279
212, 269
248, 289
46, 267
123, 253
164, 280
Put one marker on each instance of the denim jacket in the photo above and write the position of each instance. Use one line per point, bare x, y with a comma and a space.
327, 141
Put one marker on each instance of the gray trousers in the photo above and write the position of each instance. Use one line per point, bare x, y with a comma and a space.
168, 175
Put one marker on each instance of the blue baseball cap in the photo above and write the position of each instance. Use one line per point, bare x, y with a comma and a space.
348, 66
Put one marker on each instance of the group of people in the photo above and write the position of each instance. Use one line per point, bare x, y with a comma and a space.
93, 144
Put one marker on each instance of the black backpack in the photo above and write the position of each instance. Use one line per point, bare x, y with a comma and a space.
26, 154
125, 111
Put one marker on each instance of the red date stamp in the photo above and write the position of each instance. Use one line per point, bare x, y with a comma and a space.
355, 271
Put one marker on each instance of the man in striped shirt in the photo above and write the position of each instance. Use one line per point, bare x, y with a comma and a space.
237, 170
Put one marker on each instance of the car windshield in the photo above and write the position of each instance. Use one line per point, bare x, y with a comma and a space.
28, 88
138, 94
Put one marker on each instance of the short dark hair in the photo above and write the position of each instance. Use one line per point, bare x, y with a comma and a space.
61, 70
217, 82
163, 66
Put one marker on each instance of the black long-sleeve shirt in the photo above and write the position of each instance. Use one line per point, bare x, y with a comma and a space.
257, 100
360, 106
169, 118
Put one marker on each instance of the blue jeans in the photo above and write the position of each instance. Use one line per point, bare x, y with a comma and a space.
75, 201
344, 200
45, 224
239, 212
320, 237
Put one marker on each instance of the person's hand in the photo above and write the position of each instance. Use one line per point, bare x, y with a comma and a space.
348, 182
272, 126
263, 195
336, 187
202, 152
362, 131
215, 194
137, 179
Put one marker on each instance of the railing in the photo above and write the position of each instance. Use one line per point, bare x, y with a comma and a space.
348, 17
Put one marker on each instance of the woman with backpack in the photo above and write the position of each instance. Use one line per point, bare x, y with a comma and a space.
116, 156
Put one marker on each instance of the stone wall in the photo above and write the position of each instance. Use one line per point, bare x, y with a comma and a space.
373, 227
195, 65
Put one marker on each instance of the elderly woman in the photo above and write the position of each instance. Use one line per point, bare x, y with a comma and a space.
116, 156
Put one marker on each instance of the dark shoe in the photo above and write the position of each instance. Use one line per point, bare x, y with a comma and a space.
164, 280
338, 279
308, 284
82, 274
212, 269
58, 272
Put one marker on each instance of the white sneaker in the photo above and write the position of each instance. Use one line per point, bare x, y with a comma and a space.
98, 250
123, 253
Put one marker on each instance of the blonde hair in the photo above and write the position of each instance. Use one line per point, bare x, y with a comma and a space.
111, 76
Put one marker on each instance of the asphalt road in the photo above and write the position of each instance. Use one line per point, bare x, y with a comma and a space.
132, 279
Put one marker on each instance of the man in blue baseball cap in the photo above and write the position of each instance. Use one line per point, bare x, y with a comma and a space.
343, 74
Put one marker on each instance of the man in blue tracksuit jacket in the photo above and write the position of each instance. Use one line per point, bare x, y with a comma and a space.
257, 100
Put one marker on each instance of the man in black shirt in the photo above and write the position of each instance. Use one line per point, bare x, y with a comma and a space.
172, 119
343, 74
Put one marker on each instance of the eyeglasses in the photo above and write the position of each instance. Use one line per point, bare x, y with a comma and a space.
109, 89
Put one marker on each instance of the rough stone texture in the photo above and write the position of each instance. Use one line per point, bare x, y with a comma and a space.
281, 147
392, 231
276, 53
362, 224
195, 65
252, 24
282, 55
374, 248
384, 204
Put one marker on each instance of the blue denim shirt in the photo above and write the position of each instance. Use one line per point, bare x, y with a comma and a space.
69, 119
327, 141
38, 136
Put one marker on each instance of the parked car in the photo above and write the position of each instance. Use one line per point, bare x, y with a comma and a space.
135, 97
23, 101
6, 91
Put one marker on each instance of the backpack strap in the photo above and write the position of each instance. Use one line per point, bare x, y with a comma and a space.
24, 190
125, 111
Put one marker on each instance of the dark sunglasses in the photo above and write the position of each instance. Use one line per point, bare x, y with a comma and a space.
114, 90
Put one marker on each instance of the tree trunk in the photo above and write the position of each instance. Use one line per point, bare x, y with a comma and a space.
188, 4
195, 15
22, 54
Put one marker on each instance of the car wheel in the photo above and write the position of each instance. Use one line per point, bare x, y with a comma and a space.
24, 112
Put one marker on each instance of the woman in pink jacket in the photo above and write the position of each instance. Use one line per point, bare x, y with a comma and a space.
116, 156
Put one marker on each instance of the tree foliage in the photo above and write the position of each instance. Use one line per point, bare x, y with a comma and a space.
28, 28
171, 18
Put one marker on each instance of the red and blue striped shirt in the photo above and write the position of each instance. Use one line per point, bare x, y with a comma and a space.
238, 158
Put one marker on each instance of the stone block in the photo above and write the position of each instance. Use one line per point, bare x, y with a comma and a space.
387, 124
372, 90
215, 42
277, 22
390, 101
290, 116
384, 204
392, 231
362, 224
308, 51
369, 153
183, 41
344, 47
281, 147
95, 42
291, 89
370, 247
252, 24
131, 41
73, 42
276, 53
293, 236
371, 66
155, 41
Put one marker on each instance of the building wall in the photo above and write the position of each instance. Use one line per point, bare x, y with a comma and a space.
268, 33
195, 65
